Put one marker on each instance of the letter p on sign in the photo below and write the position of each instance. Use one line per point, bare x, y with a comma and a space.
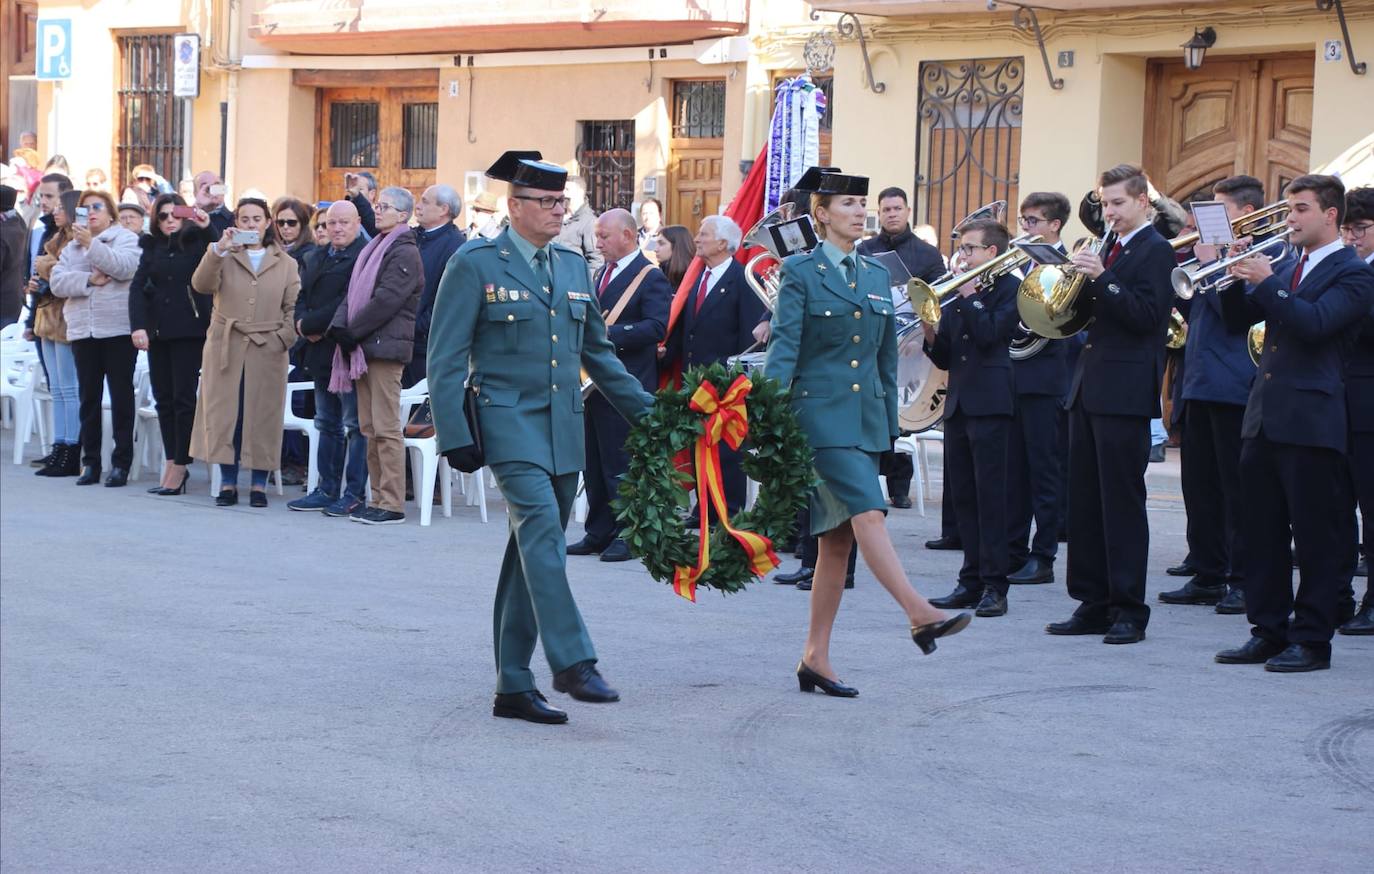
54, 48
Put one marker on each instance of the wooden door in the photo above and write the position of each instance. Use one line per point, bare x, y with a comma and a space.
1248, 115
694, 181
389, 132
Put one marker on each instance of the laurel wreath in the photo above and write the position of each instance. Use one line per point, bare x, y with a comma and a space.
654, 492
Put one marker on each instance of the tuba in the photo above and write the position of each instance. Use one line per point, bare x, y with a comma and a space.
767, 289
927, 299
1048, 300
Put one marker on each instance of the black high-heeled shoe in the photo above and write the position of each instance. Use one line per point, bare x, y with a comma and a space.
179, 490
227, 498
925, 636
808, 680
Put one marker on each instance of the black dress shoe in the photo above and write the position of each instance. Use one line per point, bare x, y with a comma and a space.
1194, 592
1255, 651
961, 598
797, 576
1233, 604
119, 477
808, 680
805, 584
1124, 632
1297, 659
585, 546
1362, 623
583, 682
991, 604
1033, 572
619, 550
227, 498
1182, 569
901, 502
90, 475
925, 636
1076, 624
530, 706
257, 498
944, 543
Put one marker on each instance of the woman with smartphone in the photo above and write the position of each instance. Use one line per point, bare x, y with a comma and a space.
51, 330
93, 274
169, 319
254, 284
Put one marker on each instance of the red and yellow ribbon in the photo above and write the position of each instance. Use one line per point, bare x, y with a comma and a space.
727, 419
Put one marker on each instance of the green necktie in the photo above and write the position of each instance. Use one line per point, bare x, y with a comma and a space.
541, 270
847, 262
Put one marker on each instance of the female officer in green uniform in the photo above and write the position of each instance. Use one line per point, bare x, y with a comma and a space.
834, 343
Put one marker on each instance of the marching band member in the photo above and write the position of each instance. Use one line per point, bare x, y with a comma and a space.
1358, 232
1294, 475
1037, 451
834, 344
1112, 397
971, 344
1217, 374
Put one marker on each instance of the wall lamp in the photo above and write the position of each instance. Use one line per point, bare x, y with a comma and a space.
1195, 49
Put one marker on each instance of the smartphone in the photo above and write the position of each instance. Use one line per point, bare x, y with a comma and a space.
218, 190
247, 238
82, 216
183, 212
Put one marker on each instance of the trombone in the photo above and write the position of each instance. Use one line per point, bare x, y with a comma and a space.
1190, 279
927, 300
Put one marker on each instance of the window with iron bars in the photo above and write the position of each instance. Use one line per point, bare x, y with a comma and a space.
606, 161
151, 120
699, 108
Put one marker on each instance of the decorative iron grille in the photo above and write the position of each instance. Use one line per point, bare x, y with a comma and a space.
353, 134
419, 136
968, 137
699, 108
151, 120
606, 157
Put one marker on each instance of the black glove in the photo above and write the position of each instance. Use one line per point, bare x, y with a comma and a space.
344, 339
465, 458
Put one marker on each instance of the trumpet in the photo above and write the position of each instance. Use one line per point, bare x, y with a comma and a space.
927, 300
1202, 278
1048, 298
1247, 225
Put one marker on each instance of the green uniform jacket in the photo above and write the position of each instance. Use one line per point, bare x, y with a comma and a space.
836, 347
521, 347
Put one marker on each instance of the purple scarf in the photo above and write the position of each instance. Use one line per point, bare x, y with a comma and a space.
360, 287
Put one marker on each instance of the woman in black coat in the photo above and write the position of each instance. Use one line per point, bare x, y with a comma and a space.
169, 319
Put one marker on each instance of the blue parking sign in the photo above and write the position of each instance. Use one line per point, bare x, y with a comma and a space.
54, 48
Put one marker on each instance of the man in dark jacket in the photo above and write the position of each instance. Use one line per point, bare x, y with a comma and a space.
579, 225
384, 329
13, 235
324, 284
438, 238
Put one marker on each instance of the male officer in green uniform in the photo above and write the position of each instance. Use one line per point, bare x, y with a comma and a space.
513, 319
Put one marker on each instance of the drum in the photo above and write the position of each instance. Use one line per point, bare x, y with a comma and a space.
921, 386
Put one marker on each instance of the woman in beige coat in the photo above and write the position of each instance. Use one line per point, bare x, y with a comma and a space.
243, 371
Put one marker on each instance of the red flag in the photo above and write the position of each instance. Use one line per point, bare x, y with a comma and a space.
746, 209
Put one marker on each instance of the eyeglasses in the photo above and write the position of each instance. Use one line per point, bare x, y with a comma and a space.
95, 206
967, 248
1030, 221
288, 223
164, 216
383, 206
1357, 231
544, 202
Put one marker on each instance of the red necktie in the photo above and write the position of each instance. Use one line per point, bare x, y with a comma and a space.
605, 281
1297, 273
1113, 254
701, 290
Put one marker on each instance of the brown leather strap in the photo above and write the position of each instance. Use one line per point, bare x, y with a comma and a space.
629, 293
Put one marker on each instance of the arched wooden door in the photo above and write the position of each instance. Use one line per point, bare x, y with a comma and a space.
1250, 115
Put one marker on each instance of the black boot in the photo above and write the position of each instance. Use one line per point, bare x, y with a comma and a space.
63, 462
90, 475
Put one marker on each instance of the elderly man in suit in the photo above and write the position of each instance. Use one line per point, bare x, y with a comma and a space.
513, 319
634, 295
718, 323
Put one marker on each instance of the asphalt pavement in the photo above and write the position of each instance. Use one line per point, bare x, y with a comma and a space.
186, 688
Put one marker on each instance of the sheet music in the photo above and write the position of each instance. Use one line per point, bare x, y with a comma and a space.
1213, 225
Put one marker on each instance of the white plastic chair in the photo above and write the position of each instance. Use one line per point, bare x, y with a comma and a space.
426, 464
17, 384
292, 422
917, 446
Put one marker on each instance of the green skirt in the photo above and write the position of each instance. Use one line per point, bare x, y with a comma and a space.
849, 486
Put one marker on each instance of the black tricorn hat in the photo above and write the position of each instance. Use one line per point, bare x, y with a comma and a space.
839, 183
810, 180
527, 170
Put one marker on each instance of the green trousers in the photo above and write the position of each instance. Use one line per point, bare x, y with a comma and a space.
533, 601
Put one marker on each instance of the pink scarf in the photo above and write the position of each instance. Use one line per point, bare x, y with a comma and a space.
360, 287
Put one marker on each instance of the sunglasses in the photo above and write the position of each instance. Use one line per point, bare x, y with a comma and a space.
288, 223
95, 206
319, 227
164, 216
